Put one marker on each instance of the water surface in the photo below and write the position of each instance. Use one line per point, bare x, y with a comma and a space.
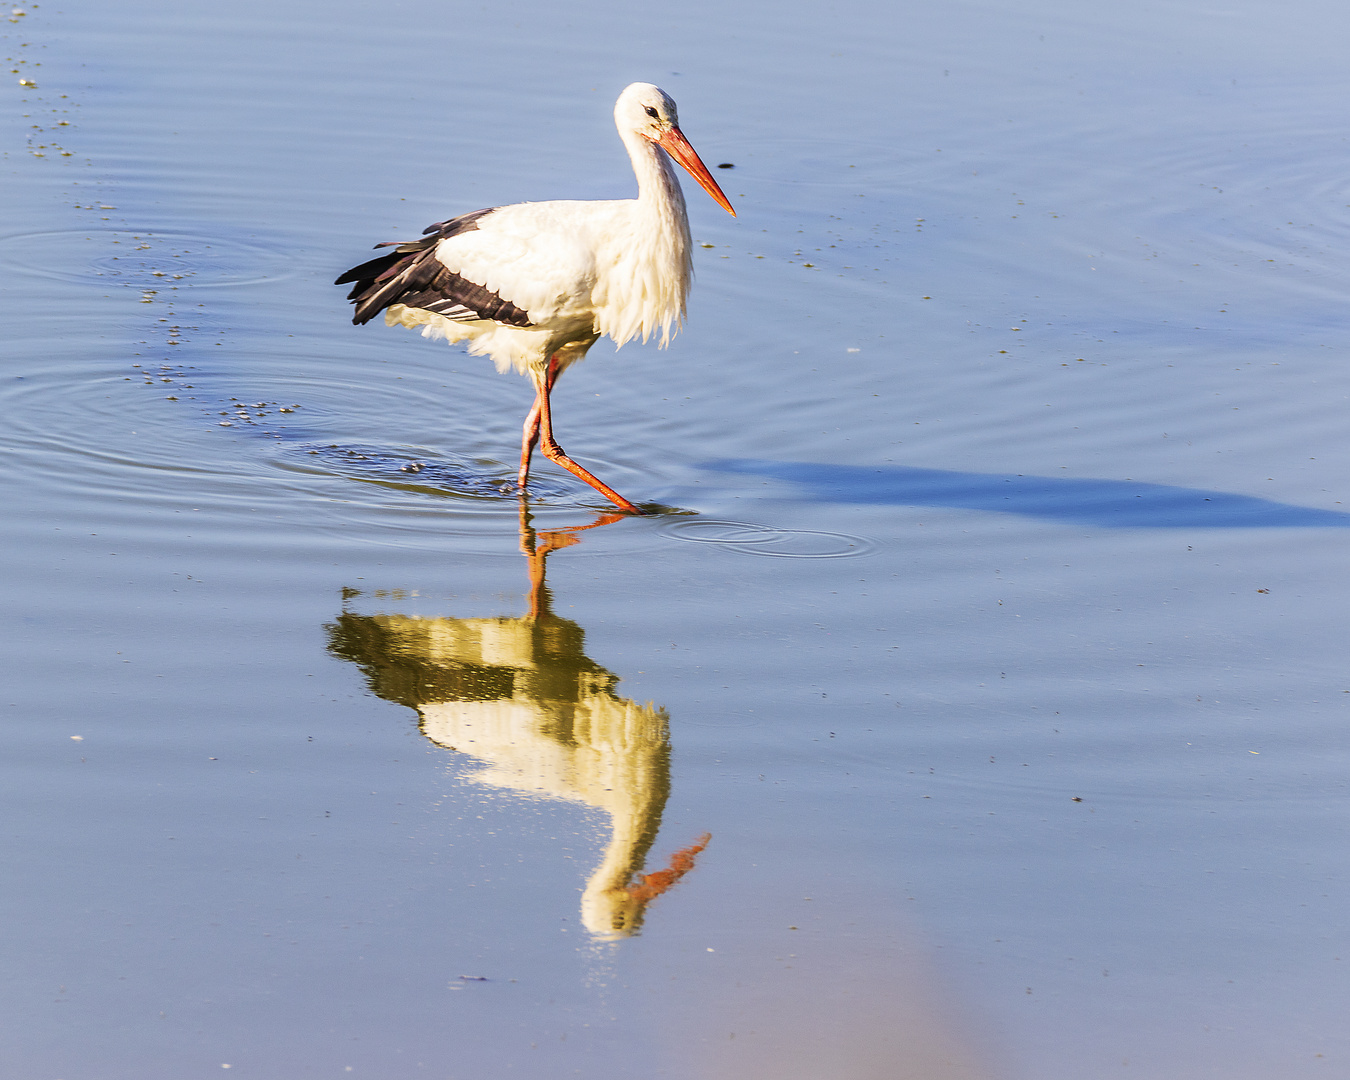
976, 711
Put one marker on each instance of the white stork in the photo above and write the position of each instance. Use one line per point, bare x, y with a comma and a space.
535, 285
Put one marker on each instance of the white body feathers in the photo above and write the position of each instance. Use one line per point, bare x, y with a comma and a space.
581, 270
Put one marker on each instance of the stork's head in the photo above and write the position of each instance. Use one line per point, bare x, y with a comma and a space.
649, 111
646, 109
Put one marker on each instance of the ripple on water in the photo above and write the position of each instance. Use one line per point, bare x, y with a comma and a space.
1201, 200
402, 469
90, 436
748, 538
149, 258
169, 433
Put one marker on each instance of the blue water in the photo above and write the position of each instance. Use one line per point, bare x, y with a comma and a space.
991, 636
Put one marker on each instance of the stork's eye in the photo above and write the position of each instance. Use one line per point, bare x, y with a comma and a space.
653, 113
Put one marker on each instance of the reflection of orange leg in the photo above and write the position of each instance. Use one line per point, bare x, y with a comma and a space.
537, 547
549, 447
681, 863
530, 434
561, 538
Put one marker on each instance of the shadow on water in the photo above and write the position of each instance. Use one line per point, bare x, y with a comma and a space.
519, 694
1121, 504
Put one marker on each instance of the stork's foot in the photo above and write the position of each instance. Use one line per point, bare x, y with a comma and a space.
554, 453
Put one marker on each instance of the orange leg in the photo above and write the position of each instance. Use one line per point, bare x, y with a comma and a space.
530, 435
548, 446
528, 438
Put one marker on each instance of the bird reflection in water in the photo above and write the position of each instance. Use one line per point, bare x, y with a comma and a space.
519, 694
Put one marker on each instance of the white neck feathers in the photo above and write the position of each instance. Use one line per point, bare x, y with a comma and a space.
649, 278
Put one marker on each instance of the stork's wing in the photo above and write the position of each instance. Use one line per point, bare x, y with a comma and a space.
413, 276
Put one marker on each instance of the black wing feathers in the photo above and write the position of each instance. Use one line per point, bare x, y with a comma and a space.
412, 275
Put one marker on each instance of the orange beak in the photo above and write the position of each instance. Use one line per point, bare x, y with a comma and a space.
677, 146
